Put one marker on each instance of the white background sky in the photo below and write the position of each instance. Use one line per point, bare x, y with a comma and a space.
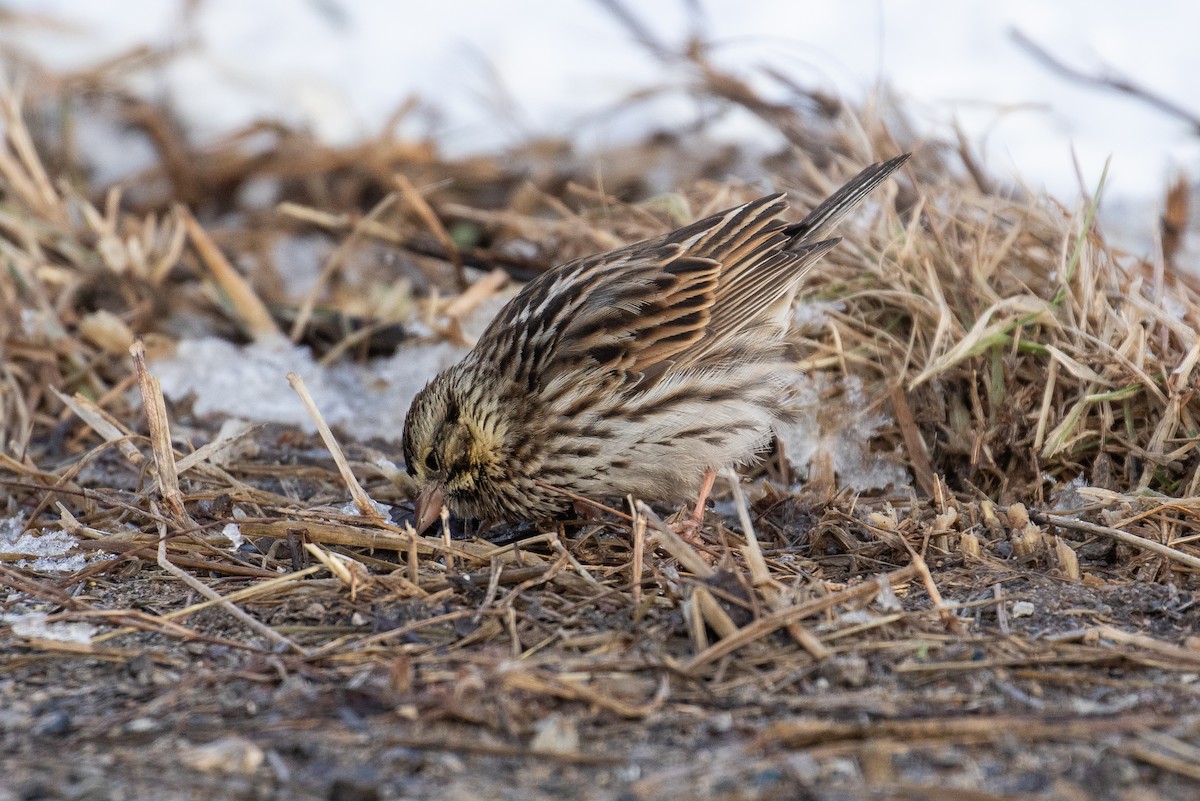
343, 66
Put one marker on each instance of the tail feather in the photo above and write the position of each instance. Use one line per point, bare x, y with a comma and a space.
831, 211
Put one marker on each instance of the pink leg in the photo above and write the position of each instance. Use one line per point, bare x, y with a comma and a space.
689, 529
710, 476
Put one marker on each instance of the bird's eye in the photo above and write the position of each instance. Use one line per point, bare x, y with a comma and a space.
431, 461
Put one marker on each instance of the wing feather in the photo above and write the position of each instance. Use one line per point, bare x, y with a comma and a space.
669, 303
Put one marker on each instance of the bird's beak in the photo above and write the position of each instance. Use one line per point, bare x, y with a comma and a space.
429, 506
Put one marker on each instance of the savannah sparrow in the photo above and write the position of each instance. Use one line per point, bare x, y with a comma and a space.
640, 371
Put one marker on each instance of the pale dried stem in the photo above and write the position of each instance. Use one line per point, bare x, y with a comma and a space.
358, 495
250, 309
155, 408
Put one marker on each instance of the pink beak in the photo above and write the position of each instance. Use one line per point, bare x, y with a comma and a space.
429, 506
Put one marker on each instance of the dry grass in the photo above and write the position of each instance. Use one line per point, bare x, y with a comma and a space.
1014, 348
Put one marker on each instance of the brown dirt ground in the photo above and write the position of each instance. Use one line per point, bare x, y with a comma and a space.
1042, 705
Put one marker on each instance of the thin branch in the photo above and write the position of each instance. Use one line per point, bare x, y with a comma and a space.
1111, 81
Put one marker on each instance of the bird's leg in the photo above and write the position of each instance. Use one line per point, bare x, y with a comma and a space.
710, 476
585, 511
689, 529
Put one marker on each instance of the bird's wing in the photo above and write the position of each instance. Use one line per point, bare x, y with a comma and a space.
668, 302
642, 310
759, 283
613, 314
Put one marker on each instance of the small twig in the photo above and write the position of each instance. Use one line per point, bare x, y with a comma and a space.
335, 563
461, 746
131, 550
983, 728
489, 596
638, 30
1001, 610
391, 634
777, 620
421, 206
761, 574
1176, 653
639, 556
1132, 540
479, 258
25, 170
476, 293
561, 549
951, 621
413, 558
914, 443
575, 496
1167, 752
252, 591
673, 544
447, 539
547, 683
213, 595
251, 311
206, 451
334, 263
160, 439
109, 429
362, 501
1117, 84
713, 614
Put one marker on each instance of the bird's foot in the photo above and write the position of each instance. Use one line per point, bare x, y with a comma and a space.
688, 530
586, 511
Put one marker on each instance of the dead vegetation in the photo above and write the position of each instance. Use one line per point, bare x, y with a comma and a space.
1025, 613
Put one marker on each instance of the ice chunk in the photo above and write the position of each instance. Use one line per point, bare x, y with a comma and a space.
1069, 498
233, 533
34, 624
814, 314
55, 564
250, 382
843, 427
50, 549
351, 510
365, 400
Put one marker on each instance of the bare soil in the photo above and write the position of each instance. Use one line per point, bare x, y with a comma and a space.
548, 688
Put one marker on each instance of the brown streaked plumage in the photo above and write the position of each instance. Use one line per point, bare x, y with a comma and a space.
642, 370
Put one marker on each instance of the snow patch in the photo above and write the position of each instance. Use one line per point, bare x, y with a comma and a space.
365, 400
36, 625
841, 424
250, 382
46, 551
233, 533
814, 314
350, 510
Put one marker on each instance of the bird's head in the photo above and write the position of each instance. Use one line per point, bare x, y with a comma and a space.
454, 446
